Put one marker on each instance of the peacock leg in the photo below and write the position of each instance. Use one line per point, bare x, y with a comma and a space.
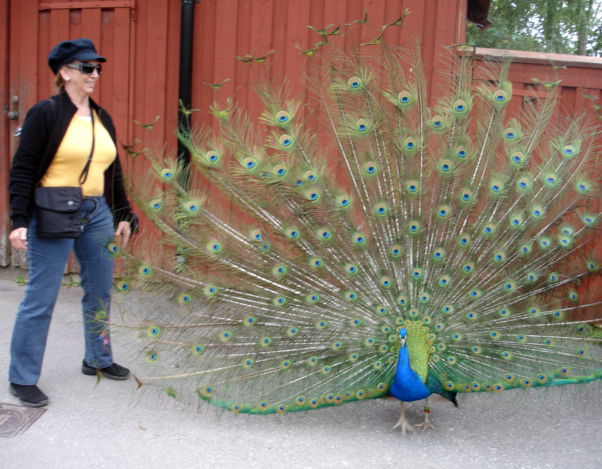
427, 423
402, 422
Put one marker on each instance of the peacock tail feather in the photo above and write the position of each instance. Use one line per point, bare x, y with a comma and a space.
469, 228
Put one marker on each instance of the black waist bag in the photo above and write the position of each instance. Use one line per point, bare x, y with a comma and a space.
58, 212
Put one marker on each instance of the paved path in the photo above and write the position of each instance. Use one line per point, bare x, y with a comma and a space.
111, 426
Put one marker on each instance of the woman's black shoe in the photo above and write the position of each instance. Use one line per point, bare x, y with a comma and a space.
29, 394
115, 371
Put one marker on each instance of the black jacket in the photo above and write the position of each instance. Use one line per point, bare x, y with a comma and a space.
43, 130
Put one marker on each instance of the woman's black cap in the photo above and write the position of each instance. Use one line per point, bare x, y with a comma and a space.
67, 51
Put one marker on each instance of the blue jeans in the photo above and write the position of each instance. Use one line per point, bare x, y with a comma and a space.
47, 260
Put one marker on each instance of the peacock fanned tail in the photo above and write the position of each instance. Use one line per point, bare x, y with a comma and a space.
335, 228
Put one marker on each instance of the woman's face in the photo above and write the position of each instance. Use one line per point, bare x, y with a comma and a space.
79, 81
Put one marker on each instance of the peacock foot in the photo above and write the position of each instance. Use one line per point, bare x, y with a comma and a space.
403, 423
426, 424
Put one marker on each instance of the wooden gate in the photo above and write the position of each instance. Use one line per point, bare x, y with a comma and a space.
30, 28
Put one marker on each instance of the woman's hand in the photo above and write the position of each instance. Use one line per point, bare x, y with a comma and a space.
18, 239
123, 230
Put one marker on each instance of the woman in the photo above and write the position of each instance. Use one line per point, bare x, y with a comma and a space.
54, 148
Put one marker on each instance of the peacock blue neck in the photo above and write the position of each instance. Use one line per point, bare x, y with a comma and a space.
412, 363
408, 386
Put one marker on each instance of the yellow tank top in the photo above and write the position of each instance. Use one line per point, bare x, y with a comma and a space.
72, 155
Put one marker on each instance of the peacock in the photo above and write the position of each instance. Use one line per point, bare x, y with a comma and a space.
365, 243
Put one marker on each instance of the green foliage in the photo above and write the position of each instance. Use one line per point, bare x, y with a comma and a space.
556, 26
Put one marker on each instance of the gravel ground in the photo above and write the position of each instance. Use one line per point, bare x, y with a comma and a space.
111, 426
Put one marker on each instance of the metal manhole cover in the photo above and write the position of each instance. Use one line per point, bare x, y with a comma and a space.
15, 419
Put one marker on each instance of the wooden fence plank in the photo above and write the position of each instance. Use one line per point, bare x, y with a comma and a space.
6, 101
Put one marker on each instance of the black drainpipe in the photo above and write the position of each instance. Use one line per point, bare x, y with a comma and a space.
185, 91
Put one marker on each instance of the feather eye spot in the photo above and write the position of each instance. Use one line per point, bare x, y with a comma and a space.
517, 157
265, 341
250, 321
404, 97
279, 301
359, 239
569, 151
292, 331
212, 156
286, 140
460, 106
312, 298
354, 82
285, 364
361, 125
412, 187
410, 143
152, 357
351, 296
461, 152
343, 202
156, 204
494, 335
167, 174
371, 168
321, 324
210, 290
500, 96
198, 349
352, 269
283, 117
123, 286
248, 363
395, 251
437, 122
312, 195
153, 331
510, 134
582, 352
445, 280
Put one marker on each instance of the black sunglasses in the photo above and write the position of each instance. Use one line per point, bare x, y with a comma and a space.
88, 69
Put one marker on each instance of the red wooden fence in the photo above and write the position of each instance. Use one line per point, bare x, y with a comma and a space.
140, 38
